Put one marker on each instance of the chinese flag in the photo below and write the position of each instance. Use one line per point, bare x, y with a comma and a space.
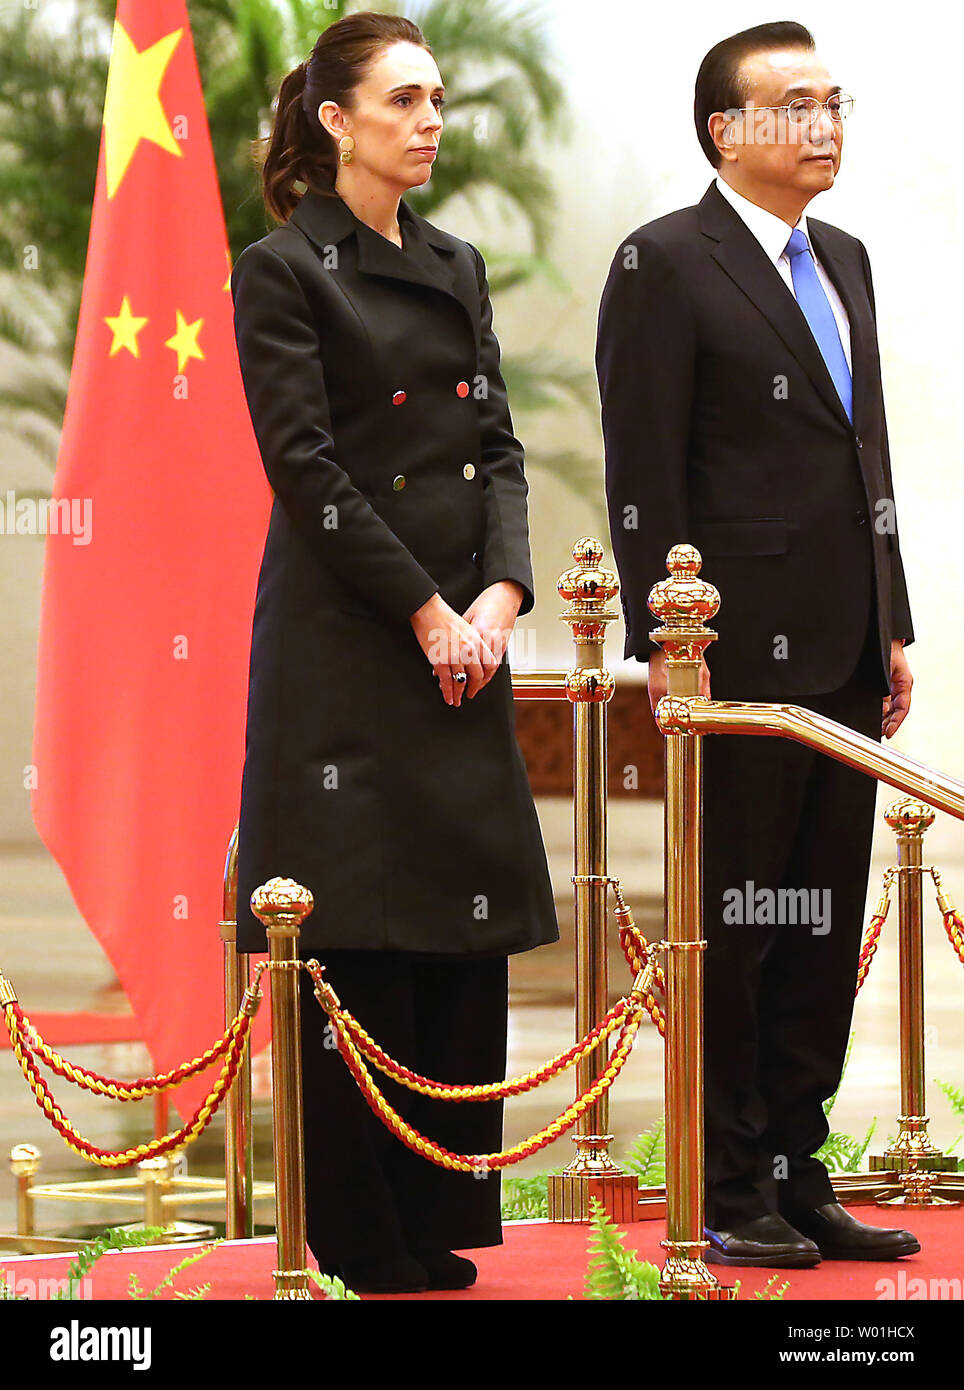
148, 594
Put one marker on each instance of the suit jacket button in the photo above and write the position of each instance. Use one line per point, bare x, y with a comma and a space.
475, 557
860, 518
462, 389
398, 482
398, 398
858, 441
468, 471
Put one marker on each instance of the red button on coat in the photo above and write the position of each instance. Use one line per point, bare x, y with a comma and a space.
462, 389
398, 398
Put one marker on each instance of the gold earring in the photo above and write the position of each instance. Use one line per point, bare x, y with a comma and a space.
345, 146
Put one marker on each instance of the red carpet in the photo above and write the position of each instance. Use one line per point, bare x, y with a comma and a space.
539, 1261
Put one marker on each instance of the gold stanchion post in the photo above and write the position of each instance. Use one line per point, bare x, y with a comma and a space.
683, 603
24, 1164
282, 905
588, 590
238, 1132
913, 1161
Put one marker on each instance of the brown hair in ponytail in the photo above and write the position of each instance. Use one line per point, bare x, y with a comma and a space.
299, 148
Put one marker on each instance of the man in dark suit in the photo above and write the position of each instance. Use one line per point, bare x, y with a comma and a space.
742, 412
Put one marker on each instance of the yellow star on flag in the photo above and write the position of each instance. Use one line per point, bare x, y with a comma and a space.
132, 105
184, 341
125, 328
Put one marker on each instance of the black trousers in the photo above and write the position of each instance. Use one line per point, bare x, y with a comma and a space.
779, 994
367, 1194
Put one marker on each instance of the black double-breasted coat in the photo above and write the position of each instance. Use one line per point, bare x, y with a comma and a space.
372, 379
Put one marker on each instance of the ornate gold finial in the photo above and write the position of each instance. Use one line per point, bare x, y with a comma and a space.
281, 900
587, 587
683, 603
24, 1160
683, 600
908, 815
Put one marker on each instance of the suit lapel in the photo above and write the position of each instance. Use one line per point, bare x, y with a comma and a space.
428, 258
744, 260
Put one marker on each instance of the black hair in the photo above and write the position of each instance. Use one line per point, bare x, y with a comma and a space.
299, 149
720, 83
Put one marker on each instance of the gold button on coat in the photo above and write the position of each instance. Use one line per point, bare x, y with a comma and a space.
398, 482
468, 471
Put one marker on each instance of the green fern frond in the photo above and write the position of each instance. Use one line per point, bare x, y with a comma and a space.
646, 1156
168, 1280
954, 1095
333, 1288
114, 1238
612, 1272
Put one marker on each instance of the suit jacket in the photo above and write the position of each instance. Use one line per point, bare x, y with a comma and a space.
372, 376
723, 428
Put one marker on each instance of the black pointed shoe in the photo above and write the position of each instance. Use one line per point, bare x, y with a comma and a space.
445, 1270
767, 1241
840, 1236
399, 1274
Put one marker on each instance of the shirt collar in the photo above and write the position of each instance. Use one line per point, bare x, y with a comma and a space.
770, 231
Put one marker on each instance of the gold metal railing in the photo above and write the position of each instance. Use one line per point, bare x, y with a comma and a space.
683, 603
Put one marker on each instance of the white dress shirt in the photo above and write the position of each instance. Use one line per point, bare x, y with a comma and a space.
773, 234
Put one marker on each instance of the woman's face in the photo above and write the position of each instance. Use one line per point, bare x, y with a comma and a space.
396, 117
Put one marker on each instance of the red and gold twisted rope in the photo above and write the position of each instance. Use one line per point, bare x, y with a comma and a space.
122, 1090
472, 1163
954, 926
869, 946
638, 952
109, 1158
440, 1090
953, 923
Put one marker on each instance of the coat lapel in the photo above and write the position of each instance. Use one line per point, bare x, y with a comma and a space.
744, 260
428, 258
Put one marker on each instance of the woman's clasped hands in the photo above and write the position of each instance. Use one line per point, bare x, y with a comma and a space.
473, 643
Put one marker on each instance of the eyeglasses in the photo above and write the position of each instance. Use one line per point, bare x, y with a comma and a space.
804, 110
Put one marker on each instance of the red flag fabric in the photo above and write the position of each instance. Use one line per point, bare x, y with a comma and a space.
151, 565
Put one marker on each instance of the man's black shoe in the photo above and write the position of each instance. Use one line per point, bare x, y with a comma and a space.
767, 1241
840, 1236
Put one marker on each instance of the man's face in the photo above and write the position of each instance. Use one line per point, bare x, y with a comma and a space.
768, 147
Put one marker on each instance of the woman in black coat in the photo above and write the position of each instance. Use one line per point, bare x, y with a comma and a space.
381, 765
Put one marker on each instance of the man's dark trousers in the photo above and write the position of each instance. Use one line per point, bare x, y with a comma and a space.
779, 997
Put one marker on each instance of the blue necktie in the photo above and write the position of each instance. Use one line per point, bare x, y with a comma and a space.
812, 298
